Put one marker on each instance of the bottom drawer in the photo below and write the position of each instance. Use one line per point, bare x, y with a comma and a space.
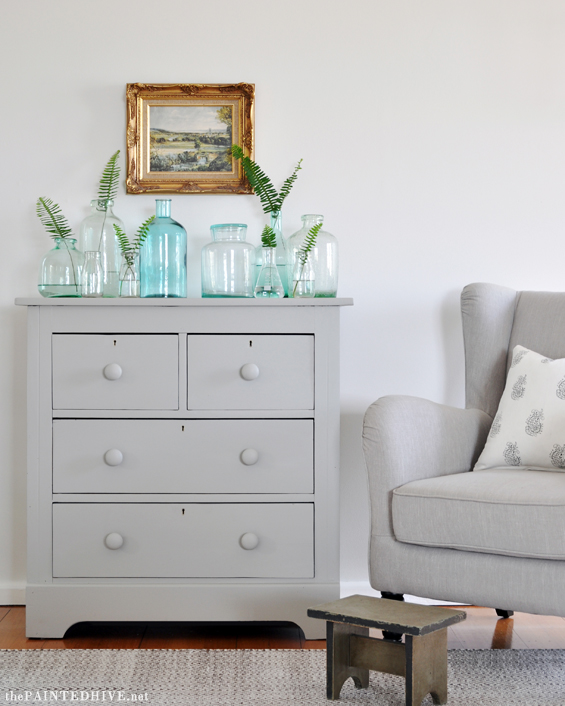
176, 540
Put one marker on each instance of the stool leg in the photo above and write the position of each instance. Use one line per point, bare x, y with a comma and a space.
426, 667
339, 668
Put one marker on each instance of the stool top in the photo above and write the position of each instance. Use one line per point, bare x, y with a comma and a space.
386, 614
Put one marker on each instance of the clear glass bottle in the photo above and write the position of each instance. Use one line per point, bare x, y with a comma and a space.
162, 260
303, 277
269, 283
129, 274
97, 234
92, 274
228, 263
324, 255
60, 273
281, 251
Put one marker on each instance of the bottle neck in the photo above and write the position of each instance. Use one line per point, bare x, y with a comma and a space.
311, 219
163, 208
276, 221
269, 256
102, 205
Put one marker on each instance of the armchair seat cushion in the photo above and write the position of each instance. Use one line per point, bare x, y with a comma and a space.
498, 511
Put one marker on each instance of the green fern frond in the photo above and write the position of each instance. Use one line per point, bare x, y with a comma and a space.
52, 218
287, 184
260, 182
109, 180
139, 239
309, 243
123, 240
142, 233
268, 237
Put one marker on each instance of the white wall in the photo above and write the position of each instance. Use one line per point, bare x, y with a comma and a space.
433, 141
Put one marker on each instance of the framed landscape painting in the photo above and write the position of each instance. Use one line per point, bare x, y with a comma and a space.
179, 137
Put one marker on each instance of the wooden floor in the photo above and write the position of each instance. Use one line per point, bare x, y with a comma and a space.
481, 630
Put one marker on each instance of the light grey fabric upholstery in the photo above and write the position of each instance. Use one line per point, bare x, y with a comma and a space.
404, 440
407, 440
500, 511
487, 313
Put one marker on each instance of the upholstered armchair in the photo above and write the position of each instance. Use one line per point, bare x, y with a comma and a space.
491, 537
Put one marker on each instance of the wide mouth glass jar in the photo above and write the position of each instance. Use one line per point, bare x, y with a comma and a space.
228, 263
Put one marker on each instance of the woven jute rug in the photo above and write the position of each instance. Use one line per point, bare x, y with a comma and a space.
263, 678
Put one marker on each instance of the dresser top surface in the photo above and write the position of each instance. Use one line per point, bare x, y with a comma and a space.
138, 302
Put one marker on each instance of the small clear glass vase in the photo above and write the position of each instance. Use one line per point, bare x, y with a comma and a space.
129, 275
269, 283
60, 273
324, 255
228, 263
303, 277
281, 254
92, 274
162, 260
97, 234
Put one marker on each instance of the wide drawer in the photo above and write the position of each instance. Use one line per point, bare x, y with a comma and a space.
198, 540
250, 372
99, 371
183, 456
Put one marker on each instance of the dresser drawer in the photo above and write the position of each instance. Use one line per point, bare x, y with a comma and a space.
251, 372
183, 456
126, 371
183, 540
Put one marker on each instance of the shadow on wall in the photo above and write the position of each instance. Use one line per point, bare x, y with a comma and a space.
354, 498
453, 351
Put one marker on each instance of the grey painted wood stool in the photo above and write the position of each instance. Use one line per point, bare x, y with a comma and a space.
421, 659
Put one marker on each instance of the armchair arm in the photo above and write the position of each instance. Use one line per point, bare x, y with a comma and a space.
408, 438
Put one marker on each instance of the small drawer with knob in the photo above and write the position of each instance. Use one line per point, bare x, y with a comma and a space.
263, 372
109, 371
183, 456
197, 540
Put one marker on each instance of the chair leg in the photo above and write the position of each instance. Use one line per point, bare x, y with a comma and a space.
504, 613
387, 635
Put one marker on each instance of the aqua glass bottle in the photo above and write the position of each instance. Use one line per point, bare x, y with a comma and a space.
324, 255
97, 234
269, 285
162, 260
281, 254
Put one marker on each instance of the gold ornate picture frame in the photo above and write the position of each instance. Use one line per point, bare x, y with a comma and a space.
179, 137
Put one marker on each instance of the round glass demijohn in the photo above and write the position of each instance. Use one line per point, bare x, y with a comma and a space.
324, 256
97, 234
228, 263
60, 273
162, 259
281, 252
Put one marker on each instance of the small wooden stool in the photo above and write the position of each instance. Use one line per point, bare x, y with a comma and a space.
421, 659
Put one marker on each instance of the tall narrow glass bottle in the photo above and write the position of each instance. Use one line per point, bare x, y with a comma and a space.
97, 235
281, 253
162, 260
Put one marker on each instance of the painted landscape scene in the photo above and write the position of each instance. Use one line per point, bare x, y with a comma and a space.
190, 138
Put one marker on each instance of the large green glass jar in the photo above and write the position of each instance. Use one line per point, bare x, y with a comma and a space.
60, 273
324, 255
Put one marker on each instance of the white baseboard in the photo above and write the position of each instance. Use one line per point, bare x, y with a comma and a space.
350, 588
13, 595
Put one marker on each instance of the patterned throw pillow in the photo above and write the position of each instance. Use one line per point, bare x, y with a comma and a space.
528, 430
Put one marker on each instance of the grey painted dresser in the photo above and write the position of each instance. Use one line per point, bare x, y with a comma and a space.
182, 460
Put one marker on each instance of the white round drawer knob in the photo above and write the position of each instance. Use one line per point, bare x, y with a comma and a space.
113, 457
249, 371
249, 540
249, 457
113, 540
112, 371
